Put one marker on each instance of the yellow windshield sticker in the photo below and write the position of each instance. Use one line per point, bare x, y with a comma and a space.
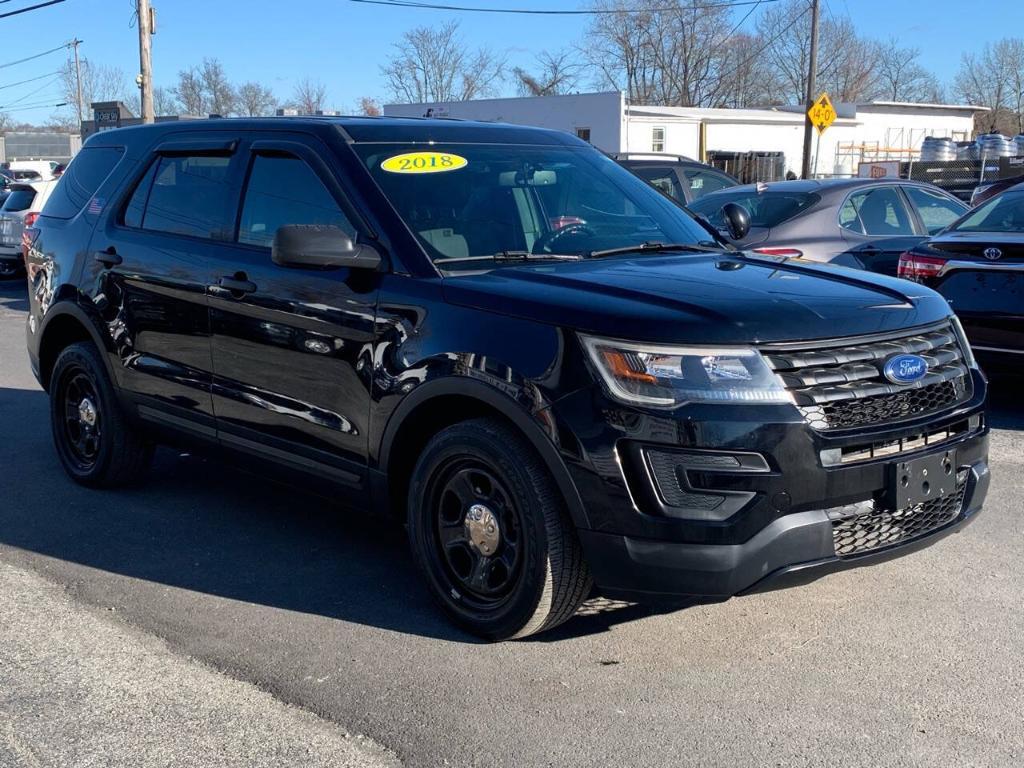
424, 162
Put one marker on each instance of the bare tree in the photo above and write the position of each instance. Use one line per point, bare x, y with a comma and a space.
165, 102
902, 78
255, 100
432, 64
369, 106
556, 73
99, 83
220, 94
309, 96
190, 92
995, 79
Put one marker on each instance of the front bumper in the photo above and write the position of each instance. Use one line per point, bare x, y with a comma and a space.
794, 549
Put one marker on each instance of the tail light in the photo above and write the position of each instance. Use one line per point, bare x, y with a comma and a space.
28, 239
918, 268
30, 218
789, 253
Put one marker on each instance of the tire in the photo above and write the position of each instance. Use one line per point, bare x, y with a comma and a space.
489, 531
96, 445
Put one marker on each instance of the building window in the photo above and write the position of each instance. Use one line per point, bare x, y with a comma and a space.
658, 138
583, 133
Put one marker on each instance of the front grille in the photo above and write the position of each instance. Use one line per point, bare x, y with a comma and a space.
839, 384
877, 527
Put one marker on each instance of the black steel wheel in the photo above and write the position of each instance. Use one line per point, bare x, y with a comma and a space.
97, 446
489, 530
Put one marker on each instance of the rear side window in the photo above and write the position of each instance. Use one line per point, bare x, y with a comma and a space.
183, 195
937, 211
80, 181
705, 182
284, 190
876, 212
19, 200
660, 177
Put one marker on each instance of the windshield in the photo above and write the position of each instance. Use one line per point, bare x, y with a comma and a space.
1004, 213
474, 200
767, 209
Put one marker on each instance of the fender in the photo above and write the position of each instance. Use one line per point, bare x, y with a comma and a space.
510, 409
70, 307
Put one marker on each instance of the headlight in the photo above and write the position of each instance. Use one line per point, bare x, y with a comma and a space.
662, 376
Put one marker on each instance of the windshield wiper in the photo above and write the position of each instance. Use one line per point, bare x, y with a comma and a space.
655, 247
506, 257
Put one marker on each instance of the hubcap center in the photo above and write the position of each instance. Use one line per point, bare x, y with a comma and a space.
87, 412
482, 529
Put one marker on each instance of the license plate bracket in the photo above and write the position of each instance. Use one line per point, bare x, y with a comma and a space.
923, 479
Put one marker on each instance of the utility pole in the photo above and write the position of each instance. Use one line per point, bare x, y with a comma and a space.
78, 81
811, 88
145, 14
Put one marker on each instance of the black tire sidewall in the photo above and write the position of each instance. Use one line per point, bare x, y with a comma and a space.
505, 460
83, 357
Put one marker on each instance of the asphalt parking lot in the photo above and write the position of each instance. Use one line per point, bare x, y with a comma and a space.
915, 662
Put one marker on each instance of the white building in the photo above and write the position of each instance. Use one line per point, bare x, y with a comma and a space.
877, 130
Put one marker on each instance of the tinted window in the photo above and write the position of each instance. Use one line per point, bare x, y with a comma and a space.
936, 210
80, 181
659, 177
284, 190
1003, 213
185, 195
767, 209
19, 200
705, 182
877, 212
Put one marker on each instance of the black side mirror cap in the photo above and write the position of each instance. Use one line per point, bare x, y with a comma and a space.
321, 246
737, 220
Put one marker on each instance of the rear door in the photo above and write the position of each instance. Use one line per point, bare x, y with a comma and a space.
292, 347
151, 262
662, 177
877, 226
703, 181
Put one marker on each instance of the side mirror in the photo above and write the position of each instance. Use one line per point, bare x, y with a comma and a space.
323, 246
737, 220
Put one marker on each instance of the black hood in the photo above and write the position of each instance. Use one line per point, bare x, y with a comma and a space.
700, 299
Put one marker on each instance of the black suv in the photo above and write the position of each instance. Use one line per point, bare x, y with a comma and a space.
556, 376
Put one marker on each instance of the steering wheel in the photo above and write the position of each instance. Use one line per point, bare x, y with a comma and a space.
545, 243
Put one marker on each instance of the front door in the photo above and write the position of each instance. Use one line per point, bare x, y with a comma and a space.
877, 226
292, 348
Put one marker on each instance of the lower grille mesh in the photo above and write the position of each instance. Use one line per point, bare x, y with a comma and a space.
884, 527
884, 408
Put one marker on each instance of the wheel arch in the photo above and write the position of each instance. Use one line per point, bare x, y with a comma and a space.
67, 323
443, 402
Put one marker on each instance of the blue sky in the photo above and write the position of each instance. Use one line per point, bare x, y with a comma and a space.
343, 43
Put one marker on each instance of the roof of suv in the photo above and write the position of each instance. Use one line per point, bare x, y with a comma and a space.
363, 129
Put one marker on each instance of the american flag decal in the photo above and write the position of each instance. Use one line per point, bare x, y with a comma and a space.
96, 206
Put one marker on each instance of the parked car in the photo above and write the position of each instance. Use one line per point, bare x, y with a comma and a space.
678, 177
20, 209
977, 264
554, 375
44, 168
985, 192
860, 223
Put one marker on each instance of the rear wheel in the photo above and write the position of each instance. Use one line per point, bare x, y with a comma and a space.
489, 530
96, 444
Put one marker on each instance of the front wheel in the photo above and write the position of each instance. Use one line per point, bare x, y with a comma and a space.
489, 530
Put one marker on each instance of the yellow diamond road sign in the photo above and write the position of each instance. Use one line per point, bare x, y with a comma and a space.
822, 114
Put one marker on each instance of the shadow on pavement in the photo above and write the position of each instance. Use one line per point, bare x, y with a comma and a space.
1006, 405
14, 294
201, 525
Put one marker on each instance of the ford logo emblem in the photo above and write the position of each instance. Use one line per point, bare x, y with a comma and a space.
905, 369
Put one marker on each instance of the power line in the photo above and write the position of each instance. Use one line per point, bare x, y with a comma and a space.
33, 93
35, 56
741, 21
566, 12
31, 79
766, 46
30, 8
41, 105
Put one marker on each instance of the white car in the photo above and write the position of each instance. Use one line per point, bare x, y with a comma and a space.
20, 210
44, 168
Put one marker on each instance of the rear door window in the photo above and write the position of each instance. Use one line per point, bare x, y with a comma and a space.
184, 195
936, 210
704, 182
878, 212
283, 190
19, 200
662, 178
80, 181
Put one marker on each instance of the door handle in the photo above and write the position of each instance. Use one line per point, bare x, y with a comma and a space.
869, 249
108, 258
237, 284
